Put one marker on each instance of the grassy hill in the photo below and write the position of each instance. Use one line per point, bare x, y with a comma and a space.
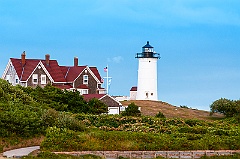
151, 108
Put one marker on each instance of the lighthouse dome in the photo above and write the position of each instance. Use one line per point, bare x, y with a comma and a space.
147, 45
147, 52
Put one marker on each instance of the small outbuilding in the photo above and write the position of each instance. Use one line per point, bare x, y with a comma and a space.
133, 93
113, 104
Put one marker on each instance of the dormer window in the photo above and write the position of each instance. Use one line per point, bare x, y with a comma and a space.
85, 79
35, 78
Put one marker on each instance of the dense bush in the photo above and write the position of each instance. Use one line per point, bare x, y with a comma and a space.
52, 118
70, 101
20, 119
97, 107
226, 106
132, 110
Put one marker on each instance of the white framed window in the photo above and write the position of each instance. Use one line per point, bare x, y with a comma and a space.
35, 78
17, 81
43, 79
85, 79
85, 91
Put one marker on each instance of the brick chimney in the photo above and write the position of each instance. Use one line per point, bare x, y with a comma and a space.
47, 59
23, 58
75, 61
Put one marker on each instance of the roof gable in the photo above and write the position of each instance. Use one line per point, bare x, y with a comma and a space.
87, 97
54, 70
25, 71
103, 98
72, 72
57, 74
96, 73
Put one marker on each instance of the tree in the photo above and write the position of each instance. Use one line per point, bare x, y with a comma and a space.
225, 106
132, 110
97, 107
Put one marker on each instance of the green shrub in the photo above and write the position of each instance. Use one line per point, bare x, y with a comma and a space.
52, 118
225, 106
160, 115
20, 119
132, 110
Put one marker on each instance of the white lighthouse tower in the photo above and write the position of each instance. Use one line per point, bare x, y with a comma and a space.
147, 73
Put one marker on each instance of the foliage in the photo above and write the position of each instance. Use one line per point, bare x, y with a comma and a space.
97, 107
13, 94
57, 99
70, 101
225, 106
147, 133
160, 115
21, 115
19, 119
132, 110
52, 117
184, 106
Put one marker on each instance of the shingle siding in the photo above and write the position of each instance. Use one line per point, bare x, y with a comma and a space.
92, 83
110, 102
39, 72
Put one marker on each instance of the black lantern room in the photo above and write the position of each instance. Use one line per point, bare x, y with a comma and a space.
147, 52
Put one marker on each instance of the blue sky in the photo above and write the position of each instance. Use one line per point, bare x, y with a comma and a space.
198, 42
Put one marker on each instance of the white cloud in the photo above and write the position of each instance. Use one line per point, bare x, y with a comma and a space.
116, 59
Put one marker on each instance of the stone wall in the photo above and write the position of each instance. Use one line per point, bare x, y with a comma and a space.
154, 154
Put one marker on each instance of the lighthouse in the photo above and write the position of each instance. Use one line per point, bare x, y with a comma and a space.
147, 73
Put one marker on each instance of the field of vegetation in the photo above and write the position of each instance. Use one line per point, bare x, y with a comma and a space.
62, 121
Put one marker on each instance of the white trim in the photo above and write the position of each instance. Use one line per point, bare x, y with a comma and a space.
45, 79
7, 68
90, 71
44, 69
95, 77
34, 76
85, 79
17, 81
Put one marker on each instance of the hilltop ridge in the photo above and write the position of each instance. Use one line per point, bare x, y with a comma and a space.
151, 108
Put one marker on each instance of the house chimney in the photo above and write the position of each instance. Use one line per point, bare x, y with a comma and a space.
75, 61
47, 58
23, 58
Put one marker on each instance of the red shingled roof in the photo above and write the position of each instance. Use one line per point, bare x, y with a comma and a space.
63, 86
82, 86
58, 73
96, 73
87, 97
54, 70
23, 74
71, 72
25, 71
